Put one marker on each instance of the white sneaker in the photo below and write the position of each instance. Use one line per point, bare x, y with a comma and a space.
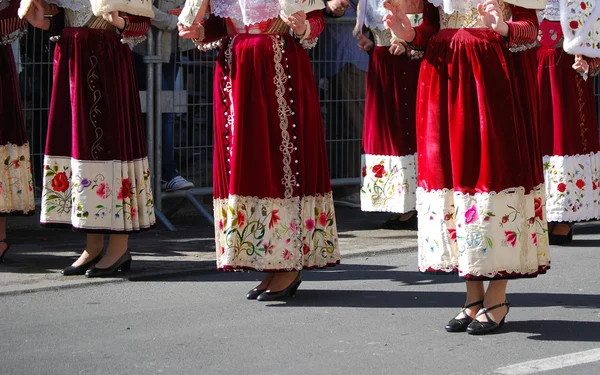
177, 183
352, 200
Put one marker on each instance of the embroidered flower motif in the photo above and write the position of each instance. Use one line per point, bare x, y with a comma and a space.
287, 255
510, 237
241, 219
364, 171
103, 190
504, 219
471, 215
537, 205
574, 25
220, 224
447, 217
60, 182
594, 185
583, 5
16, 164
133, 212
580, 184
379, 170
310, 224
534, 238
323, 219
1, 188
274, 219
562, 187
125, 191
305, 249
452, 234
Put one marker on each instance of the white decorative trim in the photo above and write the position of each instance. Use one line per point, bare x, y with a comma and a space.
572, 187
524, 47
16, 185
584, 39
259, 233
388, 183
483, 234
107, 195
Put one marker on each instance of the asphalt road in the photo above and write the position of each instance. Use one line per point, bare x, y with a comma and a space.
371, 315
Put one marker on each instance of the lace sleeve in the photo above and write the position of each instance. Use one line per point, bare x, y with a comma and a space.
315, 24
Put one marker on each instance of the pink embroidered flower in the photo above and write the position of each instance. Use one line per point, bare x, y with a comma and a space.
323, 219
378, 170
269, 248
241, 219
274, 219
471, 215
293, 226
133, 212
534, 238
221, 224
310, 224
537, 205
562, 187
580, 184
511, 237
287, 255
1, 188
305, 249
452, 234
103, 190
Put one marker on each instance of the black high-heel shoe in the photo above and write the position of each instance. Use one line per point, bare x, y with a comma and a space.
289, 291
460, 325
80, 270
481, 328
254, 293
561, 240
5, 251
123, 264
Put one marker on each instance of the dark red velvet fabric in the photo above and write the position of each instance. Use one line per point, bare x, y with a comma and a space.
255, 166
95, 99
471, 132
389, 127
12, 127
568, 113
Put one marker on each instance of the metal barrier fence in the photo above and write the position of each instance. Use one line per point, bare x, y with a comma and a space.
179, 95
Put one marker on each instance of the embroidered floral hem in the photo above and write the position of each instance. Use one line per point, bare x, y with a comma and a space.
16, 183
483, 235
97, 196
388, 183
572, 187
268, 234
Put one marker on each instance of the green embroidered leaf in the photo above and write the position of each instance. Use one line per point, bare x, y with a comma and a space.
50, 208
22, 158
491, 214
86, 214
489, 242
99, 206
6, 160
49, 173
52, 196
234, 222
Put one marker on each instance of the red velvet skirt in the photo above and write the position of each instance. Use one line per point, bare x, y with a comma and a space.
389, 140
272, 193
480, 205
569, 122
16, 185
96, 174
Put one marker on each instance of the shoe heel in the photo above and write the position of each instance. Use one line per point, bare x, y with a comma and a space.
295, 289
126, 267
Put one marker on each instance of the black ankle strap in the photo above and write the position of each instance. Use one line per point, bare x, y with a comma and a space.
497, 306
473, 304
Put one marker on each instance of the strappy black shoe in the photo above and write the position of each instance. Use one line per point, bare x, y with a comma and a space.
481, 328
5, 251
460, 325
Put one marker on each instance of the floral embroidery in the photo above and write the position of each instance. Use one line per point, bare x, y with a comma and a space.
261, 233
16, 182
80, 193
581, 23
388, 183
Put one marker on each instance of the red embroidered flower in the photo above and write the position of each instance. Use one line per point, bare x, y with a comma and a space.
103, 190
125, 191
60, 182
452, 234
305, 249
364, 171
504, 219
323, 219
221, 224
511, 237
534, 238
562, 187
594, 185
222, 250
583, 5
537, 205
471, 215
447, 217
287, 255
241, 219
379, 170
133, 212
531, 220
16, 164
274, 219
574, 25
580, 184
310, 224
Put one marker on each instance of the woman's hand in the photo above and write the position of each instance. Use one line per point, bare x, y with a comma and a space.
196, 31
35, 15
491, 16
581, 65
397, 49
337, 7
397, 21
364, 43
296, 22
114, 19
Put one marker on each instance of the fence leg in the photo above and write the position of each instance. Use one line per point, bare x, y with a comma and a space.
203, 211
163, 219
